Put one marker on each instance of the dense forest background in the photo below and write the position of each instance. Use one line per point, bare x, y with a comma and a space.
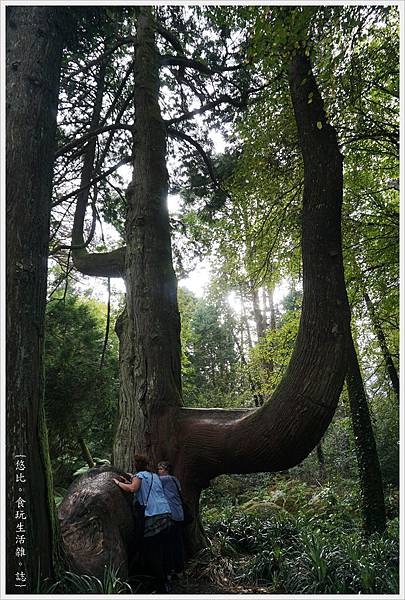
236, 181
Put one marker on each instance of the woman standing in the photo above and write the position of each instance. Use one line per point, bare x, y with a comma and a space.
172, 491
148, 491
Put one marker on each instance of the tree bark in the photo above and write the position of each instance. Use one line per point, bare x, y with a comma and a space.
374, 516
150, 329
389, 363
34, 51
97, 524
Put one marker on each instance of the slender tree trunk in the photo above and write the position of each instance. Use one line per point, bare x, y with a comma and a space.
267, 365
374, 516
258, 315
389, 363
34, 41
257, 397
321, 460
273, 322
87, 174
85, 452
245, 321
103, 264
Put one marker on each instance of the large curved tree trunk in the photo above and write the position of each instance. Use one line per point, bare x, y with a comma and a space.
34, 45
204, 443
283, 432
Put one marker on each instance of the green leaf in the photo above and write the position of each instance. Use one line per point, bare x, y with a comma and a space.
319, 124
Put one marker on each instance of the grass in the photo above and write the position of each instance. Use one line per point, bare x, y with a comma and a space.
110, 583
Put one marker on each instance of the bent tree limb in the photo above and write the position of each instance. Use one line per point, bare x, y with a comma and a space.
283, 432
106, 264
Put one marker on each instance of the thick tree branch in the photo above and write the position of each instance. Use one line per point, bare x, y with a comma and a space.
183, 136
170, 37
224, 98
100, 177
91, 134
183, 61
101, 264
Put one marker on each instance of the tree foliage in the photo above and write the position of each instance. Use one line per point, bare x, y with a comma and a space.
80, 397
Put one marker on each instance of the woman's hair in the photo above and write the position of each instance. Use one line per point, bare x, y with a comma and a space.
141, 462
165, 465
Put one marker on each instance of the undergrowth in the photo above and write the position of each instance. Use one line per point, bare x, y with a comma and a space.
110, 583
291, 537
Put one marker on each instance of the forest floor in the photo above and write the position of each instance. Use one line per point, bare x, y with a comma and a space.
186, 586
190, 585
205, 577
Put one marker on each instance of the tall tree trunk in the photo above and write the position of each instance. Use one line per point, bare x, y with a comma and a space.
258, 314
34, 51
245, 321
389, 363
273, 322
374, 516
150, 339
